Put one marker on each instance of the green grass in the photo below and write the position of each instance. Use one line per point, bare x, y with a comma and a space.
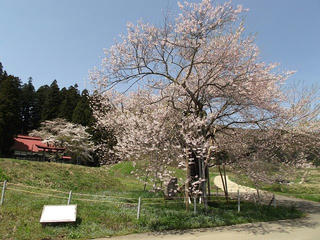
20, 214
218, 214
58, 176
309, 190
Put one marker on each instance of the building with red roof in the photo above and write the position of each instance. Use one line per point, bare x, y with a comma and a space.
27, 147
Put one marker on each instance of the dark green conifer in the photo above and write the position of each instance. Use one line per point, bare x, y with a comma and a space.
29, 110
52, 103
9, 111
70, 99
82, 114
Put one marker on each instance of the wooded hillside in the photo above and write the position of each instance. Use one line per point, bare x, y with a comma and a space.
23, 108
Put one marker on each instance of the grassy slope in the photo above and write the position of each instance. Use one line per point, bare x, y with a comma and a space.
19, 216
310, 190
58, 176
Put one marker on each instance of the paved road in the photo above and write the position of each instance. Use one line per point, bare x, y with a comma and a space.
307, 228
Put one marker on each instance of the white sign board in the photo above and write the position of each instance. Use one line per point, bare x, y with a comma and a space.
58, 213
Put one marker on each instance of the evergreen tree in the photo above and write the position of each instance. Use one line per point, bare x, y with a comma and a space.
41, 97
52, 102
82, 114
70, 99
9, 111
29, 111
1, 70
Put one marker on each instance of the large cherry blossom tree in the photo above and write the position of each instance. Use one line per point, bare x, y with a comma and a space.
193, 77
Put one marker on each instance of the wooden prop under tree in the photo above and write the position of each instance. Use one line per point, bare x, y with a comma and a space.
221, 158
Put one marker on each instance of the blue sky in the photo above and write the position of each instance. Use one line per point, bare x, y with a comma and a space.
64, 39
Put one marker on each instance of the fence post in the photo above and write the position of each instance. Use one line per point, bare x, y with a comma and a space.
217, 190
194, 205
274, 201
69, 198
238, 201
2, 194
139, 206
254, 199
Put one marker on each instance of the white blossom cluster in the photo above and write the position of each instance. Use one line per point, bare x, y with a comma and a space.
73, 137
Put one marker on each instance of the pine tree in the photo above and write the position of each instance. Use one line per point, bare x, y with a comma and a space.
52, 103
41, 97
82, 114
9, 111
1, 69
70, 97
29, 110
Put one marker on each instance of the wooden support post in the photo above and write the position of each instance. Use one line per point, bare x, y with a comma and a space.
274, 201
258, 195
139, 207
207, 172
145, 183
3, 190
194, 205
69, 198
225, 181
238, 201
200, 175
187, 183
204, 185
208, 182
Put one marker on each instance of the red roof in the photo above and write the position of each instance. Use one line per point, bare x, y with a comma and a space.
31, 144
29, 137
50, 148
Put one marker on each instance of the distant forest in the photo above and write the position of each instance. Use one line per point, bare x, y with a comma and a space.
23, 108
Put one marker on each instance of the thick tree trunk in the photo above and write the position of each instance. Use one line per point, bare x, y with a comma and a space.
199, 170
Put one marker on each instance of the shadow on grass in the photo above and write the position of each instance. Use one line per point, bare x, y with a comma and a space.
64, 224
310, 221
